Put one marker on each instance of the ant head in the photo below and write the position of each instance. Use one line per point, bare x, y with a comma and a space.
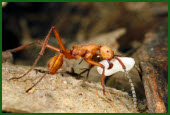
106, 52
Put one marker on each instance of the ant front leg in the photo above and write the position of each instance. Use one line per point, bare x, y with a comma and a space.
100, 65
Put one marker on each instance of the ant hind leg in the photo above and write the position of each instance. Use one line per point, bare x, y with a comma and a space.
44, 45
37, 82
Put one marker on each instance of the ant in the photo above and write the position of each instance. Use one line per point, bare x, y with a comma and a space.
88, 52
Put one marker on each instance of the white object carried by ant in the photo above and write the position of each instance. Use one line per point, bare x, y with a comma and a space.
129, 64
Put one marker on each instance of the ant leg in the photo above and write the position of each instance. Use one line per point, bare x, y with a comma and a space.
38, 57
58, 38
36, 82
86, 70
130, 82
102, 66
27, 45
49, 70
67, 55
81, 61
28, 70
89, 70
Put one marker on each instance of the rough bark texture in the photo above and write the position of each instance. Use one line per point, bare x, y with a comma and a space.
57, 93
153, 60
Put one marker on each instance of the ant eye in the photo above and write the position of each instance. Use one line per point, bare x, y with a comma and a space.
107, 51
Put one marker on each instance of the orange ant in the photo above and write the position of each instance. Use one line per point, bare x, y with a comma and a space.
87, 52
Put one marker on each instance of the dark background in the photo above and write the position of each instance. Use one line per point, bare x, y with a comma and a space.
76, 22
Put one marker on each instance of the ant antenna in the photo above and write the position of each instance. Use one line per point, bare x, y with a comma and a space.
130, 82
132, 89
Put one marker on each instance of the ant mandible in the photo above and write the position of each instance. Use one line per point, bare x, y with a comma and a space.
87, 52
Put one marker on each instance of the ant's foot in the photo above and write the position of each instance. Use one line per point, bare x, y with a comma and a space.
28, 90
14, 78
103, 89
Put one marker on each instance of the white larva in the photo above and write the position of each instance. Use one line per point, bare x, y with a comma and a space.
128, 62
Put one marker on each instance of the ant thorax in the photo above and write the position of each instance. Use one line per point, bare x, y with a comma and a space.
78, 52
87, 51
